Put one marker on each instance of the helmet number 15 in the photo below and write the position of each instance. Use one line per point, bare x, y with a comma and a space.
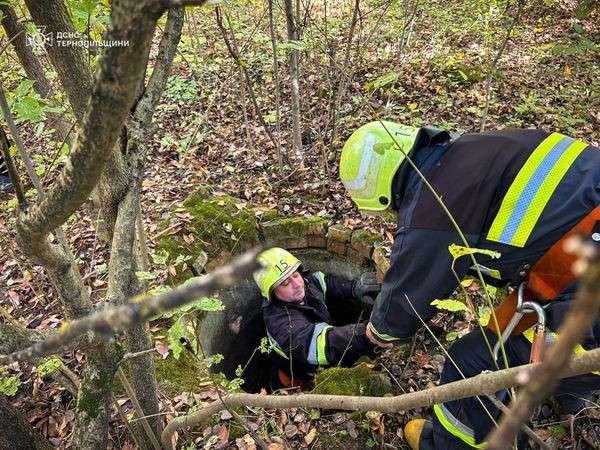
282, 266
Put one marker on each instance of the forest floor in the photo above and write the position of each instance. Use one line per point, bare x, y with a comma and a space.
207, 132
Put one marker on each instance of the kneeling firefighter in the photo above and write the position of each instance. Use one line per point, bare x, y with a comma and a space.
297, 310
516, 194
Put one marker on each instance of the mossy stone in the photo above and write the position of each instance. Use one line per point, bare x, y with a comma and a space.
357, 380
365, 236
294, 227
219, 223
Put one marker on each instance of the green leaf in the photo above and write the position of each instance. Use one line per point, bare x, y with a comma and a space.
29, 109
160, 257
452, 336
450, 305
174, 335
47, 367
24, 88
585, 8
146, 275
291, 45
9, 385
239, 371
382, 82
458, 250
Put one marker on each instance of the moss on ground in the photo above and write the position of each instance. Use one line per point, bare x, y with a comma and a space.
357, 380
179, 375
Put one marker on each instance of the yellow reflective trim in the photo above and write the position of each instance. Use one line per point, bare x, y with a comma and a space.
321, 278
382, 336
516, 188
545, 191
578, 349
453, 429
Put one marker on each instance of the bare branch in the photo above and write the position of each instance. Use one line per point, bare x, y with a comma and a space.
485, 383
162, 67
119, 318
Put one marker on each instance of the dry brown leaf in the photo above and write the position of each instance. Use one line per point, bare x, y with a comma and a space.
310, 437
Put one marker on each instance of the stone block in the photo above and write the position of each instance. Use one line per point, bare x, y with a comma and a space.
339, 233
316, 241
363, 242
380, 255
355, 256
337, 247
307, 228
290, 243
199, 263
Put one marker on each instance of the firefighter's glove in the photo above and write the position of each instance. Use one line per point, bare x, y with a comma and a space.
366, 287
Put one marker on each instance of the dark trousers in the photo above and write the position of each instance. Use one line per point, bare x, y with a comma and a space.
472, 356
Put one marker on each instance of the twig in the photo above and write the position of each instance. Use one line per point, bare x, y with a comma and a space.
125, 421
485, 383
12, 170
138, 408
128, 356
488, 82
57, 151
234, 52
118, 318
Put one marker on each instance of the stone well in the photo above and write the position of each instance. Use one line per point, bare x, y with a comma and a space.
237, 331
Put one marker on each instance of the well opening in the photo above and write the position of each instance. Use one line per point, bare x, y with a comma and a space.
236, 331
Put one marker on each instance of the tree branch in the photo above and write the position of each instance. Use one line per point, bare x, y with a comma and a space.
119, 318
167, 48
485, 383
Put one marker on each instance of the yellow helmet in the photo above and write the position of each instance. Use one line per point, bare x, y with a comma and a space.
370, 158
279, 265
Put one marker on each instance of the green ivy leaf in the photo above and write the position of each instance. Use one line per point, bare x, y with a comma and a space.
47, 367
160, 257
9, 385
450, 305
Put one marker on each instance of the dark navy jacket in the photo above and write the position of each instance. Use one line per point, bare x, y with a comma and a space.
472, 174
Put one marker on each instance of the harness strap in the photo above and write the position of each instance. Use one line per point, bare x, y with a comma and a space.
548, 277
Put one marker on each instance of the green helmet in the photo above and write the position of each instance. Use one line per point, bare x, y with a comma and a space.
370, 159
279, 264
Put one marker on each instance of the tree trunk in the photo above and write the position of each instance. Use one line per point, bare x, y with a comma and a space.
75, 76
292, 22
101, 116
273, 33
22, 436
16, 32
